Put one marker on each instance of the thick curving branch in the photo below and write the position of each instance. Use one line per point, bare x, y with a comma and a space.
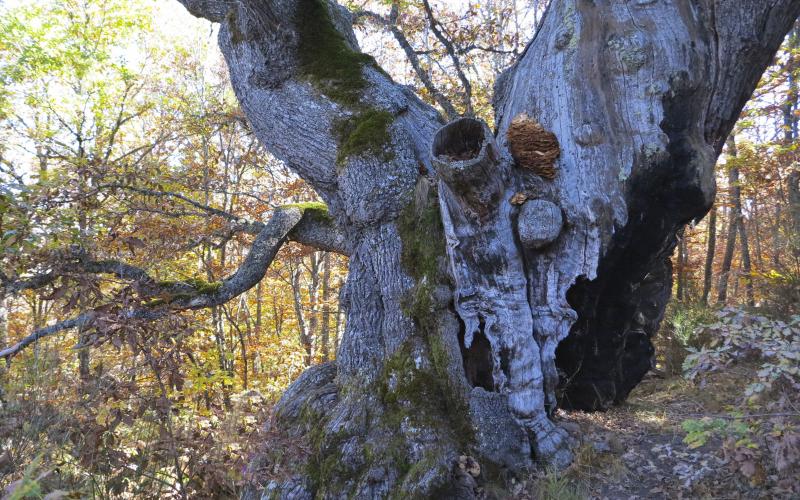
315, 229
319, 104
184, 296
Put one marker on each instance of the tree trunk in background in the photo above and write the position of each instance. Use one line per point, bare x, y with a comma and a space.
793, 188
306, 339
790, 123
682, 258
734, 219
326, 308
457, 299
711, 248
746, 267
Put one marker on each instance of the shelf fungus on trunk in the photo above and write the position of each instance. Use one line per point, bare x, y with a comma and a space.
533, 147
539, 223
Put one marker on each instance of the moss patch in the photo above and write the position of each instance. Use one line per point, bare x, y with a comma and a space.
366, 132
325, 56
314, 209
172, 290
237, 36
422, 233
337, 71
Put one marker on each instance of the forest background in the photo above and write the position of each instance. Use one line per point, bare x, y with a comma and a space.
121, 139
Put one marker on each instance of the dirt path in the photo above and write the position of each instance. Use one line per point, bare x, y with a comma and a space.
636, 451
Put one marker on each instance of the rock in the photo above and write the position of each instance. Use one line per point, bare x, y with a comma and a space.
539, 223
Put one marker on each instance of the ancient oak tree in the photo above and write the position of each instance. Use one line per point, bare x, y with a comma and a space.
494, 274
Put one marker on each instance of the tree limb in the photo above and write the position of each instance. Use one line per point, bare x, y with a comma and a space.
451, 51
252, 270
305, 87
78, 321
411, 55
314, 230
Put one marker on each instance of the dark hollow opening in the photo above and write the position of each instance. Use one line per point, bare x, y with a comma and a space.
478, 364
459, 140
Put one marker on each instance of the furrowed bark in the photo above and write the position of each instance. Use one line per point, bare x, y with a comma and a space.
641, 96
491, 295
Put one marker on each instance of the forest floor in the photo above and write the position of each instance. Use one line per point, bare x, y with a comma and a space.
636, 450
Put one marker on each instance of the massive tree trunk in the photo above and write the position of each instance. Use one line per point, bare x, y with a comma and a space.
469, 317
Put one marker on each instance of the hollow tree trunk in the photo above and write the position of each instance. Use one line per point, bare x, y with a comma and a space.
457, 299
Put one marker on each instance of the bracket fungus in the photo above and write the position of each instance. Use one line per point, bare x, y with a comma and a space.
533, 147
539, 223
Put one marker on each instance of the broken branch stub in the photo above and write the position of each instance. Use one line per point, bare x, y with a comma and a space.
539, 223
466, 158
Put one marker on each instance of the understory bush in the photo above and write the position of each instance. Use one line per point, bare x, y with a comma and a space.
759, 436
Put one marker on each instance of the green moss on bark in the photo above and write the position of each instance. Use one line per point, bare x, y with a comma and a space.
172, 290
338, 72
316, 209
366, 132
422, 233
325, 56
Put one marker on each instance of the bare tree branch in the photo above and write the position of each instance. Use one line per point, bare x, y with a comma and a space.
78, 321
451, 51
251, 271
312, 229
411, 55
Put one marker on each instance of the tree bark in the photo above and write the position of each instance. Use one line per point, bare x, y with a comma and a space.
711, 249
457, 299
747, 269
680, 292
734, 221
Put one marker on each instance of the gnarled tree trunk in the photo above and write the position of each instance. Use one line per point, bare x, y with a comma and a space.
469, 317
